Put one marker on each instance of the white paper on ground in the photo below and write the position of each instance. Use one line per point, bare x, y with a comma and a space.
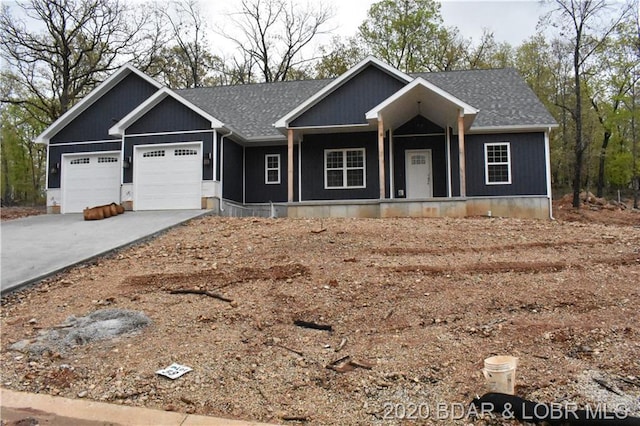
174, 371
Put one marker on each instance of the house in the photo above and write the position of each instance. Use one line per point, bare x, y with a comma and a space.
374, 142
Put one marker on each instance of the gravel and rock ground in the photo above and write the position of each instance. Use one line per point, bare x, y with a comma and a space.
415, 304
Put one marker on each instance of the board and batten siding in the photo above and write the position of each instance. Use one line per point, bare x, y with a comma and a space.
528, 165
349, 103
206, 137
256, 190
93, 123
169, 116
232, 173
313, 147
55, 155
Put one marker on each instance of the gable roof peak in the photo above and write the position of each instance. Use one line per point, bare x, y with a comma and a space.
92, 97
338, 82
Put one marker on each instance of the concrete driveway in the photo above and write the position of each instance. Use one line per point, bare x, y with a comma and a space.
38, 246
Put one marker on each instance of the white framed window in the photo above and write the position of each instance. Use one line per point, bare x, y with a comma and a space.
497, 163
344, 168
272, 169
83, 160
158, 153
181, 152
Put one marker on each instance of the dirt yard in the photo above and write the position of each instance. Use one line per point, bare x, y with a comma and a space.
415, 305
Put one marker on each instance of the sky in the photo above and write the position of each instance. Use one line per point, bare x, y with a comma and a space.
512, 21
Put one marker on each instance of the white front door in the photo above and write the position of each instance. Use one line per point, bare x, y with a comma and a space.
418, 173
167, 177
89, 180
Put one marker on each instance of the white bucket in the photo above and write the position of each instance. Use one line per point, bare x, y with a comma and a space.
500, 372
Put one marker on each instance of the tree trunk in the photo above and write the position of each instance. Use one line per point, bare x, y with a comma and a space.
579, 149
603, 154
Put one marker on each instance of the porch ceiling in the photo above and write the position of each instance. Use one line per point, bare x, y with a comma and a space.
422, 97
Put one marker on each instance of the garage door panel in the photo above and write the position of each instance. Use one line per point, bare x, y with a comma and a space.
168, 178
90, 180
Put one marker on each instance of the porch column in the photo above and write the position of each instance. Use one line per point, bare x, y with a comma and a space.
290, 165
462, 167
381, 156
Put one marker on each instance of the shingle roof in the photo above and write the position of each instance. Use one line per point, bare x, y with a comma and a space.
501, 95
251, 109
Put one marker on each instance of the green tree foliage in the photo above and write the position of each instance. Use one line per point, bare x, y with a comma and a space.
22, 161
399, 32
338, 57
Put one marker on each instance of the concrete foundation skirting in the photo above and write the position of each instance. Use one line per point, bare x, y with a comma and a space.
533, 207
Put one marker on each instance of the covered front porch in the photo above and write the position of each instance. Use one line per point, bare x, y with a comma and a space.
417, 147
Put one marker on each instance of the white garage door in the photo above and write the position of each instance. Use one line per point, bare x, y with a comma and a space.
167, 177
90, 180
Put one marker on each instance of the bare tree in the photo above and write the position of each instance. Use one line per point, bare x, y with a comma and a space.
82, 40
187, 63
587, 24
272, 34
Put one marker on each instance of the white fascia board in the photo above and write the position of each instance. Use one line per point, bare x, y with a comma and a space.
92, 97
518, 128
322, 93
119, 128
463, 106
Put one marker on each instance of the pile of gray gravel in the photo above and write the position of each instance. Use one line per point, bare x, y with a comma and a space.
75, 331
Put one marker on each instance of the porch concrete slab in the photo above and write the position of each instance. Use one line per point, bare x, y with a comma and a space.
54, 410
36, 247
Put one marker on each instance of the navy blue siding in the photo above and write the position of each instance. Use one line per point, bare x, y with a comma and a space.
349, 103
313, 148
169, 116
528, 171
418, 125
55, 155
455, 164
93, 124
437, 145
256, 190
205, 137
232, 173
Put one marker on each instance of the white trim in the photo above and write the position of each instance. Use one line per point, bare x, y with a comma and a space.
119, 128
86, 142
467, 109
449, 183
91, 98
179, 132
267, 169
486, 163
511, 128
345, 168
547, 159
244, 174
122, 164
333, 126
335, 84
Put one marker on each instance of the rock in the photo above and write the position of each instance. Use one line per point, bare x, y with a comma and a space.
82, 394
33, 321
